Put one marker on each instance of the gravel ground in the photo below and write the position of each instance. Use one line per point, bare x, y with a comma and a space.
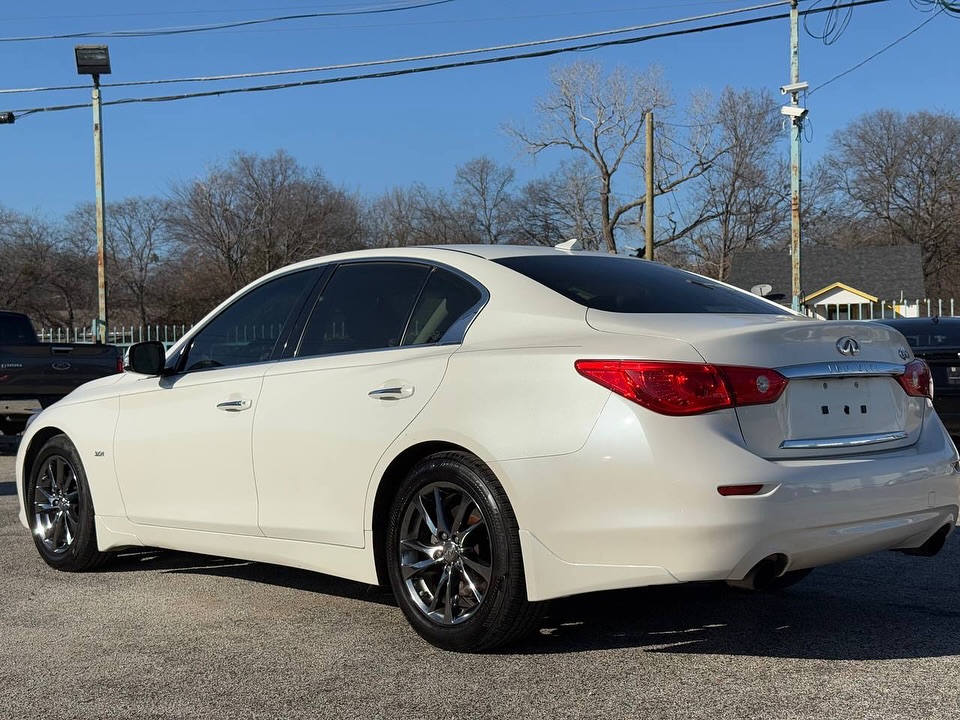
172, 635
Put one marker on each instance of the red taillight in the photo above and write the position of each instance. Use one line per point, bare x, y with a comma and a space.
916, 379
119, 364
671, 388
753, 386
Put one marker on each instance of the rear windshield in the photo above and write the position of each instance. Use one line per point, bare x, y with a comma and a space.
16, 330
630, 285
928, 334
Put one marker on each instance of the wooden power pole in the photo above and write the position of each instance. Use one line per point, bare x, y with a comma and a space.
648, 205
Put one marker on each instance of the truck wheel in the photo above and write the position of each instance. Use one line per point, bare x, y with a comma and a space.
9, 426
60, 508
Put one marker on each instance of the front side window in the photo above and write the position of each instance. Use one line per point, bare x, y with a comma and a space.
364, 306
248, 330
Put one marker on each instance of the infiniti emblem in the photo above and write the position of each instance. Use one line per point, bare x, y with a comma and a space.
848, 346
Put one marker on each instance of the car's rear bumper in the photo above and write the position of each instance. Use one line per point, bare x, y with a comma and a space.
638, 504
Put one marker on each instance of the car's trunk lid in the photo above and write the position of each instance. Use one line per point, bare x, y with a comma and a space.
842, 397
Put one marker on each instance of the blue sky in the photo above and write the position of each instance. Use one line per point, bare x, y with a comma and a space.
372, 135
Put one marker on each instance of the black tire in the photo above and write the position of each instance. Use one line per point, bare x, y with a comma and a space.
453, 556
60, 508
9, 426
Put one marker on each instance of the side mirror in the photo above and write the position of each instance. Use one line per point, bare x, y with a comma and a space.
146, 358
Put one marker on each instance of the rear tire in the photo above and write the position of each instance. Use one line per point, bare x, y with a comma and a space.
60, 508
453, 556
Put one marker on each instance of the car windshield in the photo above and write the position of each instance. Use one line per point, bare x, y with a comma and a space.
930, 335
630, 285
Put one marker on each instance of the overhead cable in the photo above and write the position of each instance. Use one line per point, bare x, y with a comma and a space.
162, 32
432, 68
876, 54
416, 58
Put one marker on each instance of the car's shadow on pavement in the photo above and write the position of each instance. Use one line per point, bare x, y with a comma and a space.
8, 488
156, 560
882, 607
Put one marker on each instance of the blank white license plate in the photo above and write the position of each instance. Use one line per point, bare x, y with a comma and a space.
837, 407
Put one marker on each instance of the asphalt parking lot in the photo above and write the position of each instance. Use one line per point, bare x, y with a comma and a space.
170, 635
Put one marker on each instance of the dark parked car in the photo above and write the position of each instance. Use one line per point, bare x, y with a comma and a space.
937, 340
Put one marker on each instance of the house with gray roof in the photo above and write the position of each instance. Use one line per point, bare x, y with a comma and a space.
838, 283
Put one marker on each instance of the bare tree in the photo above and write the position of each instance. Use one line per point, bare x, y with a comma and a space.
420, 216
482, 193
257, 214
560, 206
392, 219
741, 202
138, 246
601, 117
901, 174
28, 265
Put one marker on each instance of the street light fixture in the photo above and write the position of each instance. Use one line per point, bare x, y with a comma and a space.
95, 60
7, 118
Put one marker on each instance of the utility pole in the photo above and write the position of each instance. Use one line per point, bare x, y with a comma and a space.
648, 205
94, 60
101, 221
796, 115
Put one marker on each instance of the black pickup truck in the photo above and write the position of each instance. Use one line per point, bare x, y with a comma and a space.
34, 375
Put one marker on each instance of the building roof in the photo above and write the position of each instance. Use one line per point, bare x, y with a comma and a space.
886, 272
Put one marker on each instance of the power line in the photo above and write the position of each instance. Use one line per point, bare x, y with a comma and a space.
418, 58
433, 68
876, 54
162, 32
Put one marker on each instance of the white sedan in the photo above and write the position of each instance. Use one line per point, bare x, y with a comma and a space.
487, 428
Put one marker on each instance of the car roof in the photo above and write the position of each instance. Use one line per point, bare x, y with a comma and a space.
495, 252
442, 253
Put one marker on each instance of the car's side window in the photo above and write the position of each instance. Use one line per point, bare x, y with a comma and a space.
444, 300
364, 306
248, 330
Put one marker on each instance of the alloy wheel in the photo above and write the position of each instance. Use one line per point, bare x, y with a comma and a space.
56, 505
445, 553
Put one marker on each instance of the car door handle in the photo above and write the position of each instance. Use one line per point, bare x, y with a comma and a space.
234, 405
392, 393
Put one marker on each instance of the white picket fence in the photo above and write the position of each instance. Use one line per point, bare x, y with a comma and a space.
124, 336
884, 309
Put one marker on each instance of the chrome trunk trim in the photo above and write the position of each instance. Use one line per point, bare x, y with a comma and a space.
846, 441
841, 368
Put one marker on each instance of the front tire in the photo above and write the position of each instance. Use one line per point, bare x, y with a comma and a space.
453, 556
60, 508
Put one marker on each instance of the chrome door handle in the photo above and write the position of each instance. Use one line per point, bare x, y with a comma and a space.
392, 393
233, 405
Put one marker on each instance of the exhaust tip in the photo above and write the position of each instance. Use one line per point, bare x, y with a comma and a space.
932, 546
762, 576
